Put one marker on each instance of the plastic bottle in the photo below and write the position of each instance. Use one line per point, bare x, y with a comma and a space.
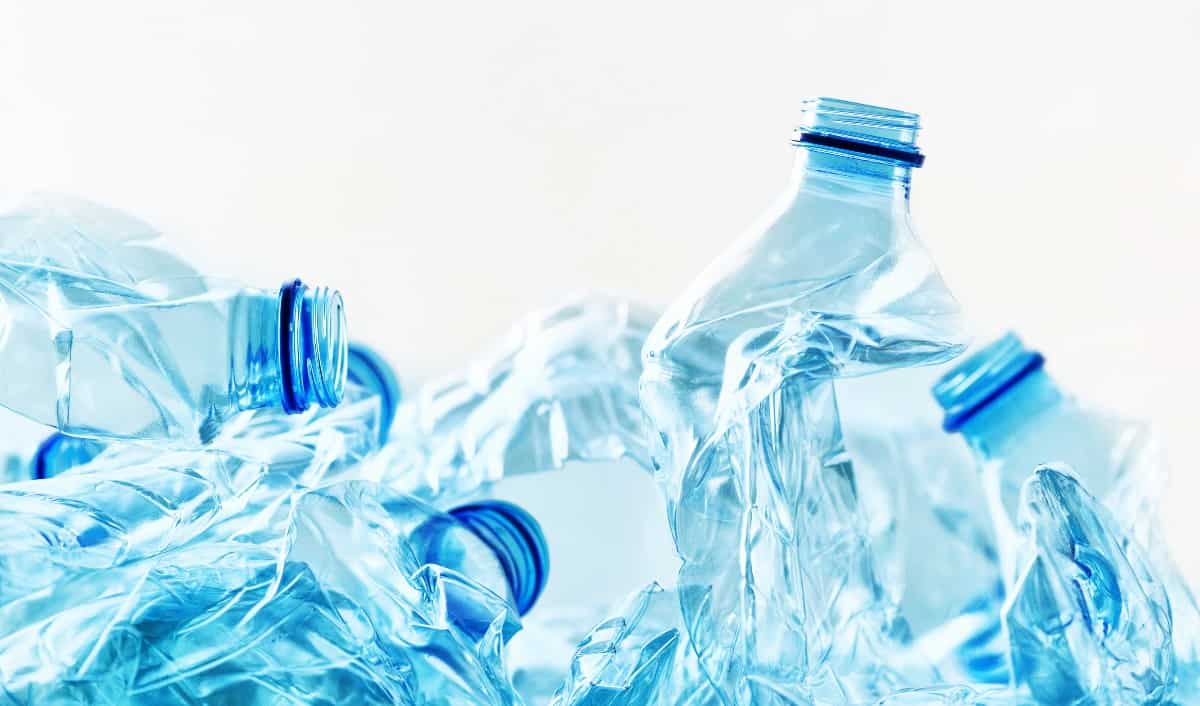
361, 596
778, 585
1014, 417
1087, 620
134, 502
107, 335
367, 374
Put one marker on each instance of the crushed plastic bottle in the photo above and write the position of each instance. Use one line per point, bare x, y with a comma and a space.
108, 335
562, 386
135, 502
778, 585
363, 596
1087, 620
1014, 417
638, 657
368, 374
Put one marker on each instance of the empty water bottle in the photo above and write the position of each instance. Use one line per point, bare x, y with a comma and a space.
107, 335
1014, 418
362, 596
778, 584
367, 375
1088, 622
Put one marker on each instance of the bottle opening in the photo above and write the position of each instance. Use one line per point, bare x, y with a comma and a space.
868, 131
312, 346
369, 370
517, 539
982, 378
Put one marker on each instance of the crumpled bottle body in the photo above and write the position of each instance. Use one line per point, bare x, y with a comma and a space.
332, 606
134, 502
1118, 460
778, 584
561, 386
1088, 621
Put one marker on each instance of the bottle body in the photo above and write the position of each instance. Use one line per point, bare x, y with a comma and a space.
96, 348
1014, 418
778, 585
325, 610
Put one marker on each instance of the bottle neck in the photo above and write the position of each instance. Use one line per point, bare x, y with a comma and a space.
288, 349
1003, 419
880, 181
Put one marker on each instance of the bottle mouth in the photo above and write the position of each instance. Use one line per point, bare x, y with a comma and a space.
868, 131
518, 542
312, 346
368, 369
982, 378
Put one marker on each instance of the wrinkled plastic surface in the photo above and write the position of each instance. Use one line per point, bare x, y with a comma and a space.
135, 502
638, 657
104, 333
919, 489
1028, 420
561, 386
955, 696
778, 584
333, 606
1088, 621
368, 375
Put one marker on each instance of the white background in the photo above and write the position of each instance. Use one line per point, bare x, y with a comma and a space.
451, 165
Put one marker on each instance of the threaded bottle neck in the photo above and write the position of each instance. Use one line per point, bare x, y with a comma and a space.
312, 347
1003, 372
516, 539
854, 139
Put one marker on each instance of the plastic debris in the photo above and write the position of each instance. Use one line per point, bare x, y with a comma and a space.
339, 604
562, 386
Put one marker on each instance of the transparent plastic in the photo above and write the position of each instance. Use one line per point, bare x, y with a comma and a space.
919, 489
561, 386
638, 657
339, 604
778, 585
368, 369
1087, 620
367, 375
105, 334
1014, 417
133, 502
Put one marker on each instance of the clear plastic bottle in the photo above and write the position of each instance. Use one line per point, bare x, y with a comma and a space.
778, 584
1014, 417
361, 596
105, 334
367, 375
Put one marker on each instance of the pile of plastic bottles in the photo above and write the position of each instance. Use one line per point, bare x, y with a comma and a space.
236, 506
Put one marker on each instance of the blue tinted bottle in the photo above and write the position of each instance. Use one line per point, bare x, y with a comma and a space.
107, 335
1015, 418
